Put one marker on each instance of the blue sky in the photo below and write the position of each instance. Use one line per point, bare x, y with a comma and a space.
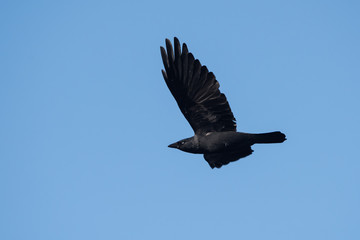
86, 119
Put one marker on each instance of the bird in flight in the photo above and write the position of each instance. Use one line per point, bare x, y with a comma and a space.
207, 110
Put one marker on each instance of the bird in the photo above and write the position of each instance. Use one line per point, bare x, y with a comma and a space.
207, 110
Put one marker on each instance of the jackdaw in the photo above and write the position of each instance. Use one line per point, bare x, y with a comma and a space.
197, 94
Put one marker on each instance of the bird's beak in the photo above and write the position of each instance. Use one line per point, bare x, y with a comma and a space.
173, 145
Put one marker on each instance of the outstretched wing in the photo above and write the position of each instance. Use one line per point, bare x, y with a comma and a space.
196, 91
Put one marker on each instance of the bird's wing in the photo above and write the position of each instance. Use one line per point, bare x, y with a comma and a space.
220, 159
196, 91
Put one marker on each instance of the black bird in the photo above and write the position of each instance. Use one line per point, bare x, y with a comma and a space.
197, 93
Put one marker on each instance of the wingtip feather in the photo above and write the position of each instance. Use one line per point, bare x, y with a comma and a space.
169, 49
184, 48
177, 47
164, 58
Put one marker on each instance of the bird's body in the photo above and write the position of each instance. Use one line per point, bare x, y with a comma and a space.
215, 142
197, 93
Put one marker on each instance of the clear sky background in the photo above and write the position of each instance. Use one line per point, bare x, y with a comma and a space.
86, 118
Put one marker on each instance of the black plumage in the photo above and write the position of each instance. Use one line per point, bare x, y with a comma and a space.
207, 110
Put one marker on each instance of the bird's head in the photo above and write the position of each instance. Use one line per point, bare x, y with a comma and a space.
186, 145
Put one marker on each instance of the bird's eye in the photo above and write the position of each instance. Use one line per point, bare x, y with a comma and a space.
182, 142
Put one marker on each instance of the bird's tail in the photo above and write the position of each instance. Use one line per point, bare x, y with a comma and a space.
272, 137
